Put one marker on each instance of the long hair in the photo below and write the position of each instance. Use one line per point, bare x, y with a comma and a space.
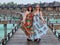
39, 6
29, 7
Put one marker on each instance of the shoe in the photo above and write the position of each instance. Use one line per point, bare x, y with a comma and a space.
29, 39
37, 40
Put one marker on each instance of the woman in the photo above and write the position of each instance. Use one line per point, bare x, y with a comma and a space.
39, 24
28, 22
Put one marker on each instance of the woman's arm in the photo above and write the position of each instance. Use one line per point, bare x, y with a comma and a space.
41, 16
24, 17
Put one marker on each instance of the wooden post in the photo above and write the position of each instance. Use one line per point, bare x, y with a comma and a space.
55, 32
5, 30
58, 35
15, 29
12, 32
5, 33
53, 29
47, 21
3, 42
13, 24
8, 36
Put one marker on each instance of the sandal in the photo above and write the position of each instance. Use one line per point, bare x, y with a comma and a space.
37, 40
29, 39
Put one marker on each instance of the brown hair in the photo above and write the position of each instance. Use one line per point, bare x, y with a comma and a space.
29, 7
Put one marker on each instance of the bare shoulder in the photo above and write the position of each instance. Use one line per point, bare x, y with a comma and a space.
26, 12
34, 12
40, 11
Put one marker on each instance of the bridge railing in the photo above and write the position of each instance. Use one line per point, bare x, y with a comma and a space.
9, 35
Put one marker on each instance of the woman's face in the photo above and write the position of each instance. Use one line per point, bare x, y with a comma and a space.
30, 8
37, 7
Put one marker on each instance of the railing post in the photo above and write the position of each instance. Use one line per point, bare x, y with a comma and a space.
47, 21
3, 42
12, 32
52, 26
15, 29
58, 35
13, 24
8, 36
5, 30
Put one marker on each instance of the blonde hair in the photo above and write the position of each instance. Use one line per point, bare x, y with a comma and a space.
38, 5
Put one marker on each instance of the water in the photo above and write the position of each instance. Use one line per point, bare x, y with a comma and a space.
54, 20
57, 31
58, 20
58, 23
9, 28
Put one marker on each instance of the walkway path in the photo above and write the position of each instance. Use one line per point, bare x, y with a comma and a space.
19, 38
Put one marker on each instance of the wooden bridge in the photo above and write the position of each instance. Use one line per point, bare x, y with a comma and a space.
19, 38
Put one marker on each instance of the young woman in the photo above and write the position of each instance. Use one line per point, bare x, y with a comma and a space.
39, 25
36, 23
28, 22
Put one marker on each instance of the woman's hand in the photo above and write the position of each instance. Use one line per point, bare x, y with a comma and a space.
44, 21
22, 22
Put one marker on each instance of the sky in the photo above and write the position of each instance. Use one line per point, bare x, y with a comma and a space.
27, 1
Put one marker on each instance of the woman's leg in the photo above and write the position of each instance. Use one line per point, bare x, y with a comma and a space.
28, 36
37, 37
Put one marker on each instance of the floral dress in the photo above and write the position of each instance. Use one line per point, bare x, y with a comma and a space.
27, 26
39, 28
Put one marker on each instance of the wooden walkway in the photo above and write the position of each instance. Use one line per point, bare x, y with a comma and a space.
19, 38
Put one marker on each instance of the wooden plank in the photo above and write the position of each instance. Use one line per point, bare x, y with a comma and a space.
7, 22
19, 38
3, 22
56, 27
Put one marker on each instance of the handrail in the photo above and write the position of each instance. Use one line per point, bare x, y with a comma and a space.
9, 35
